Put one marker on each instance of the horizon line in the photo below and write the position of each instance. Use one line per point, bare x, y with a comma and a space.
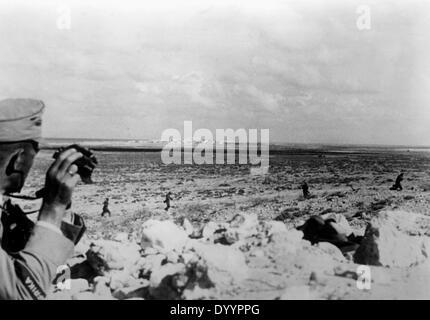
271, 143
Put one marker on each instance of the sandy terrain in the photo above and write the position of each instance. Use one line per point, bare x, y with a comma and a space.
353, 184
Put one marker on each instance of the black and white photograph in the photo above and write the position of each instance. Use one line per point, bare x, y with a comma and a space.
189, 150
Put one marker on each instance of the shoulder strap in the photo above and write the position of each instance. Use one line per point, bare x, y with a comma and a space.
28, 280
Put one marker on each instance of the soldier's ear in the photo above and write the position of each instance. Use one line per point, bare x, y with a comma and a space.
12, 166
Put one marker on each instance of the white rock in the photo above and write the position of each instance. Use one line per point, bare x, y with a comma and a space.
410, 223
121, 237
113, 254
162, 235
172, 256
78, 285
101, 287
168, 269
244, 221
387, 242
225, 264
291, 240
153, 262
82, 247
293, 254
342, 225
275, 227
139, 291
188, 227
189, 257
249, 226
150, 251
198, 293
122, 279
332, 250
209, 229
76, 260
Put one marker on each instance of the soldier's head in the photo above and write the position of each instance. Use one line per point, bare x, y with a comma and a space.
20, 131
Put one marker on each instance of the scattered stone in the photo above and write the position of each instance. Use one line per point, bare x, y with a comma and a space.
82, 247
313, 277
167, 282
350, 273
150, 251
241, 192
171, 264
317, 278
188, 257
163, 235
170, 269
189, 229
123, 279
121, 237
291, 240
105, 255
291, 253
342, 225
128, 293
332, 250
101, 287
198, 294
275, 227
144, 267
172, 256
210, 229
225, 264
388, 241
78, 285
237, 221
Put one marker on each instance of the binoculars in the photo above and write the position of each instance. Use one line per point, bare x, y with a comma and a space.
86, 164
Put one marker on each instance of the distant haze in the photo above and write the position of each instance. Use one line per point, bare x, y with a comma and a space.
131, 69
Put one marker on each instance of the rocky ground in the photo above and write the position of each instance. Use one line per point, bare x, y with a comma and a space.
231, 234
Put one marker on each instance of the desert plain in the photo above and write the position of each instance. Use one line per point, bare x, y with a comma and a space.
345, 181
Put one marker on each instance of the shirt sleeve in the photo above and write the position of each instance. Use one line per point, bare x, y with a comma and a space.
29, 274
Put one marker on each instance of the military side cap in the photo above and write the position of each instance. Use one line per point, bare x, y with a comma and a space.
21, 119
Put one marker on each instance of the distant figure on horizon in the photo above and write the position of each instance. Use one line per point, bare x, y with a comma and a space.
106, 208
305, 189
398, 184
167, 201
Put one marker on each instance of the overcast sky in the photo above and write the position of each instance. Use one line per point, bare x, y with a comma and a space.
131, 69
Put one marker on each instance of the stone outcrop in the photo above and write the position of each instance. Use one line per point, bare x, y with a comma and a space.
394, 239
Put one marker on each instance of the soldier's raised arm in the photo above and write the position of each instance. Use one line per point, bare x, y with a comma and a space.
29, 273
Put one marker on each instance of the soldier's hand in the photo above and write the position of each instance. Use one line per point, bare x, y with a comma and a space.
61, 180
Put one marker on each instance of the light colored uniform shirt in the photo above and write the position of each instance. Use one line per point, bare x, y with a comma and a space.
29, 274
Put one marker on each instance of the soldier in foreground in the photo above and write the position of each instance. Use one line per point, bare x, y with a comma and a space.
27, 272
